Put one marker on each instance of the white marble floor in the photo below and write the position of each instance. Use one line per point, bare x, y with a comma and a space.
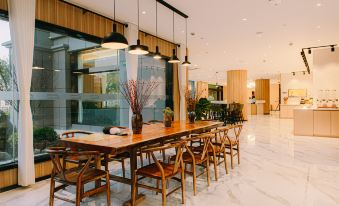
277, 168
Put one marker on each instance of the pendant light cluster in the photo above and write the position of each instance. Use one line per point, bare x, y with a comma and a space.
116, 40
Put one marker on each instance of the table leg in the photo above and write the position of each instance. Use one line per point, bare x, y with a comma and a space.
133, 167
98, 166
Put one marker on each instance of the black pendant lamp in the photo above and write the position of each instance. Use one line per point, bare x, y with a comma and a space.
114, 40
186, 63
174, 59
138, 49
157, 54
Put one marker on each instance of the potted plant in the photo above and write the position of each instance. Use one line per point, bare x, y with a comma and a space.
168, 116
202, 108
192, 99
137, 94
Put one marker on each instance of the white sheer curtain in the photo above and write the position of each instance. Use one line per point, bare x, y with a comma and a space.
22, 24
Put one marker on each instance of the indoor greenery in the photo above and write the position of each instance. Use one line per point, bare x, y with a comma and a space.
44, 137
202, 107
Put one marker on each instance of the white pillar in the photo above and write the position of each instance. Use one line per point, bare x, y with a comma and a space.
131, 59
22, 26
182, 81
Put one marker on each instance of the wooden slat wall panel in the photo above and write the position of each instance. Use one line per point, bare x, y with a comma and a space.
69, 16
165, 47
262, 92
3, 5
237, 88
202, 88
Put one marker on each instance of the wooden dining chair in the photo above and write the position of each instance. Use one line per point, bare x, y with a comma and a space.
197, 158
78, 176
79, 160
162, 172
233, 142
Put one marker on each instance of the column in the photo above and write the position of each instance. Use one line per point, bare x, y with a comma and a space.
262, 92
237, 88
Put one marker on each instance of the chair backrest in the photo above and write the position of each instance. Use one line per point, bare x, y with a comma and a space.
236, 132
179, 147
221, 137
58, 154
205, 139
74, 133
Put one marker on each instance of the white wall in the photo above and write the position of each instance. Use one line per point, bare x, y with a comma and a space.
299, 81
326, 71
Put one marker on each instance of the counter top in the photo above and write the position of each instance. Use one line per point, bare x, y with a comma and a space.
319, 109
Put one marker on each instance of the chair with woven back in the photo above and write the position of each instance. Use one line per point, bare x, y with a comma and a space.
233, 142
162, 171
79, 160
195, 159
76, 176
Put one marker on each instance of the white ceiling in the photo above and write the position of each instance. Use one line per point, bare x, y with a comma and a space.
263, 36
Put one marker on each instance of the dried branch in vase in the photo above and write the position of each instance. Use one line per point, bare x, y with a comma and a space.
137, 93
192, 99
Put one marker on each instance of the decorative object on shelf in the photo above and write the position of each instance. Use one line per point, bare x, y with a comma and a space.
138, 49
114, 40
137, 94
186, 63
192, 99
157, 54
168, 116
174, 59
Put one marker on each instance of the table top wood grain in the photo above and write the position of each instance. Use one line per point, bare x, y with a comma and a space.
151, 133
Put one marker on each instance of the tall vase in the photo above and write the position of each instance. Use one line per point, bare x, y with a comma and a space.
137, 123
191, 117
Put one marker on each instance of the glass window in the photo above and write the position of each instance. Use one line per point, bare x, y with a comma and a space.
8, 102
75, 85
151, 69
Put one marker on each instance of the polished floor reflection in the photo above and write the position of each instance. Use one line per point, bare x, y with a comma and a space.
277, 168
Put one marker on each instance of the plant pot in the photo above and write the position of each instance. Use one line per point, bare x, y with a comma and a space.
167, 121
137, 123
191, 117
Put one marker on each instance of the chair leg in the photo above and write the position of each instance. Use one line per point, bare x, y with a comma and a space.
123, 168
78, 193
183, 186
141, 159
208, 171
134, 182
238, 153
225, 160
163, 155
194, 180
163, 188
158, 184
51, 193
215, 167
231, 151
108, 192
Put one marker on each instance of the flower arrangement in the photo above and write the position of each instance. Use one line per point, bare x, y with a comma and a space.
137, 93
168, 116
192, 99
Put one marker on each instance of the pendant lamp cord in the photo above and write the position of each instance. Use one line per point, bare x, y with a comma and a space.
173, 27
156, 20
138, 19
186, 34
114, 11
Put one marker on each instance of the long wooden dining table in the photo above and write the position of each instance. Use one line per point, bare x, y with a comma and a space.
151, 134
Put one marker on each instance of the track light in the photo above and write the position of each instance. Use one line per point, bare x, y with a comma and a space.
332, 48
157, 54
293, 73
304, 72
174, 59
309, 51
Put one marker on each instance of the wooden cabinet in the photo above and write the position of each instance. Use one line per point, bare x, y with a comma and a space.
303, 122
335, 123
322, 123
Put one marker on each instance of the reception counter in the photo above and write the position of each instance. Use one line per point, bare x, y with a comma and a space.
287, 110
316, 122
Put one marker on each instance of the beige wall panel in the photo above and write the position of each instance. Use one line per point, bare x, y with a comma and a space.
237, 88
262, 92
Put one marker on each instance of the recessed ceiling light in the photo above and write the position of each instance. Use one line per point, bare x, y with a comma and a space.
143, 12
244, 19
182, 31
318, 39
319, 4
318, 27
206, 44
